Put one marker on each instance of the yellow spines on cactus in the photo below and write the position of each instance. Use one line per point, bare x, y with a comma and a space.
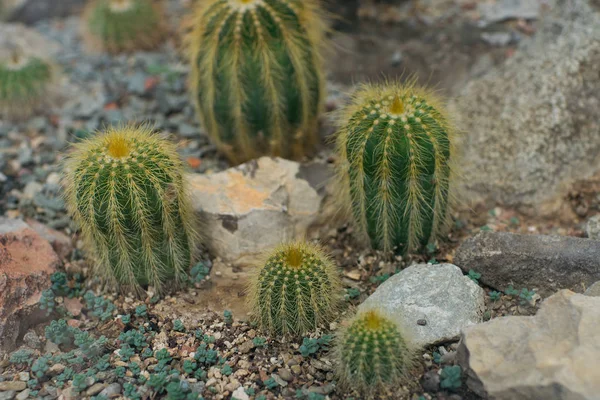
123, 25
373, 354
126, 189
257, 75
296, 290
396, 149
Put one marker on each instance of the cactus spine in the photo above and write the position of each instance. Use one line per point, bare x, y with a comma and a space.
395, 145
296, 290
125, 187
123, 25
372, 353
257, 75
24, 82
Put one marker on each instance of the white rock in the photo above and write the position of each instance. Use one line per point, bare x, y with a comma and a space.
592, 227
439, 294
554, 355
251, 208
240, 394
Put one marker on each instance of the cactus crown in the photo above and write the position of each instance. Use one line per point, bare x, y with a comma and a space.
395, 145
257, 75
126, 189
24, 80
372, 353
123, 25
296, 290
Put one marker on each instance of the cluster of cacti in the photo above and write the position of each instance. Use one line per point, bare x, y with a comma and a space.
395, 145
297, 290
24, 84
373, 354
257, 75
123, 25
125, 187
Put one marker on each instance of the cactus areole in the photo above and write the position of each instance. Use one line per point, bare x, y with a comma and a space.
395, 146
257, 75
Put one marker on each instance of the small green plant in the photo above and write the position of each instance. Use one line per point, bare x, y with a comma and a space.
228, 317
311, 346
526, 296
141, 311
130, 391
126, 352
257, 75
144, 234
79, 382
270, 383
178, 326
24, 83
474, 276
99, 306
21, 357
123, 25
189, 366
40, 366
164, 359
379, 279
126, 319
158, 382
495, 296
296, 290
180, 390
199, 272
451, 378
47, 301
511, 291
135, 338
395, 145
372, 354
206, 356
60, 333
259, 341
351, 293
226, 370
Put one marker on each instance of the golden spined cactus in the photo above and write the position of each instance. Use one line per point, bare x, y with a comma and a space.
24, 84
257, 75
126, 189
395, 146
373, 354
123, 25
295, 291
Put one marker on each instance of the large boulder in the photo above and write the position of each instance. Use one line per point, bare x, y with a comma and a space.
251, 208
26, 263
431, 302
531, 126
544, 263
554, 355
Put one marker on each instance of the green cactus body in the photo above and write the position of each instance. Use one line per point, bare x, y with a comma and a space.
372, 354
257, 75
395, 146
296, 290
126, 189
24, 82
123, 25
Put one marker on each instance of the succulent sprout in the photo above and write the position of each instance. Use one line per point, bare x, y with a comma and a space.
126, 189
257, 75
123, 25
395, 145
296, 290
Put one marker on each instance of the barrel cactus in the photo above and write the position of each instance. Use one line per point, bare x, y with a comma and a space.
372, 354
257, 75
296, 290
24, 84
123, 25
395, 146
126, 189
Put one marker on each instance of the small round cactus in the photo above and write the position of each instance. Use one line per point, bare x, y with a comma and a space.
24, 84
123, 25
372, 353
395, 146
296, 290
257, 75
126, 189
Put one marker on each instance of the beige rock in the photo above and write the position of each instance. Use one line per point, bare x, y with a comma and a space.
253, 207
593, 290
26, 263
60, 242
554, 355
17, 386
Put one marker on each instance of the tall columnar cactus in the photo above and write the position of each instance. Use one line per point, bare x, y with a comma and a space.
296, 290
123, 25
24, 84
395, 144
126, 189
257, 75
372, 354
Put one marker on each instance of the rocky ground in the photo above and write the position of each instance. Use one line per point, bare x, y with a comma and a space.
497, 261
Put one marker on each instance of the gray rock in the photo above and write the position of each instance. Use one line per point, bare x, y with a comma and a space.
111, 391
531, 125
501, 10
593, 290
251, 208
7, 394
546, 263
27, 40
440, 294
31, 11
136, 83
431, 381
592, 227
554, 355
23, 395
497, 38
31, 339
